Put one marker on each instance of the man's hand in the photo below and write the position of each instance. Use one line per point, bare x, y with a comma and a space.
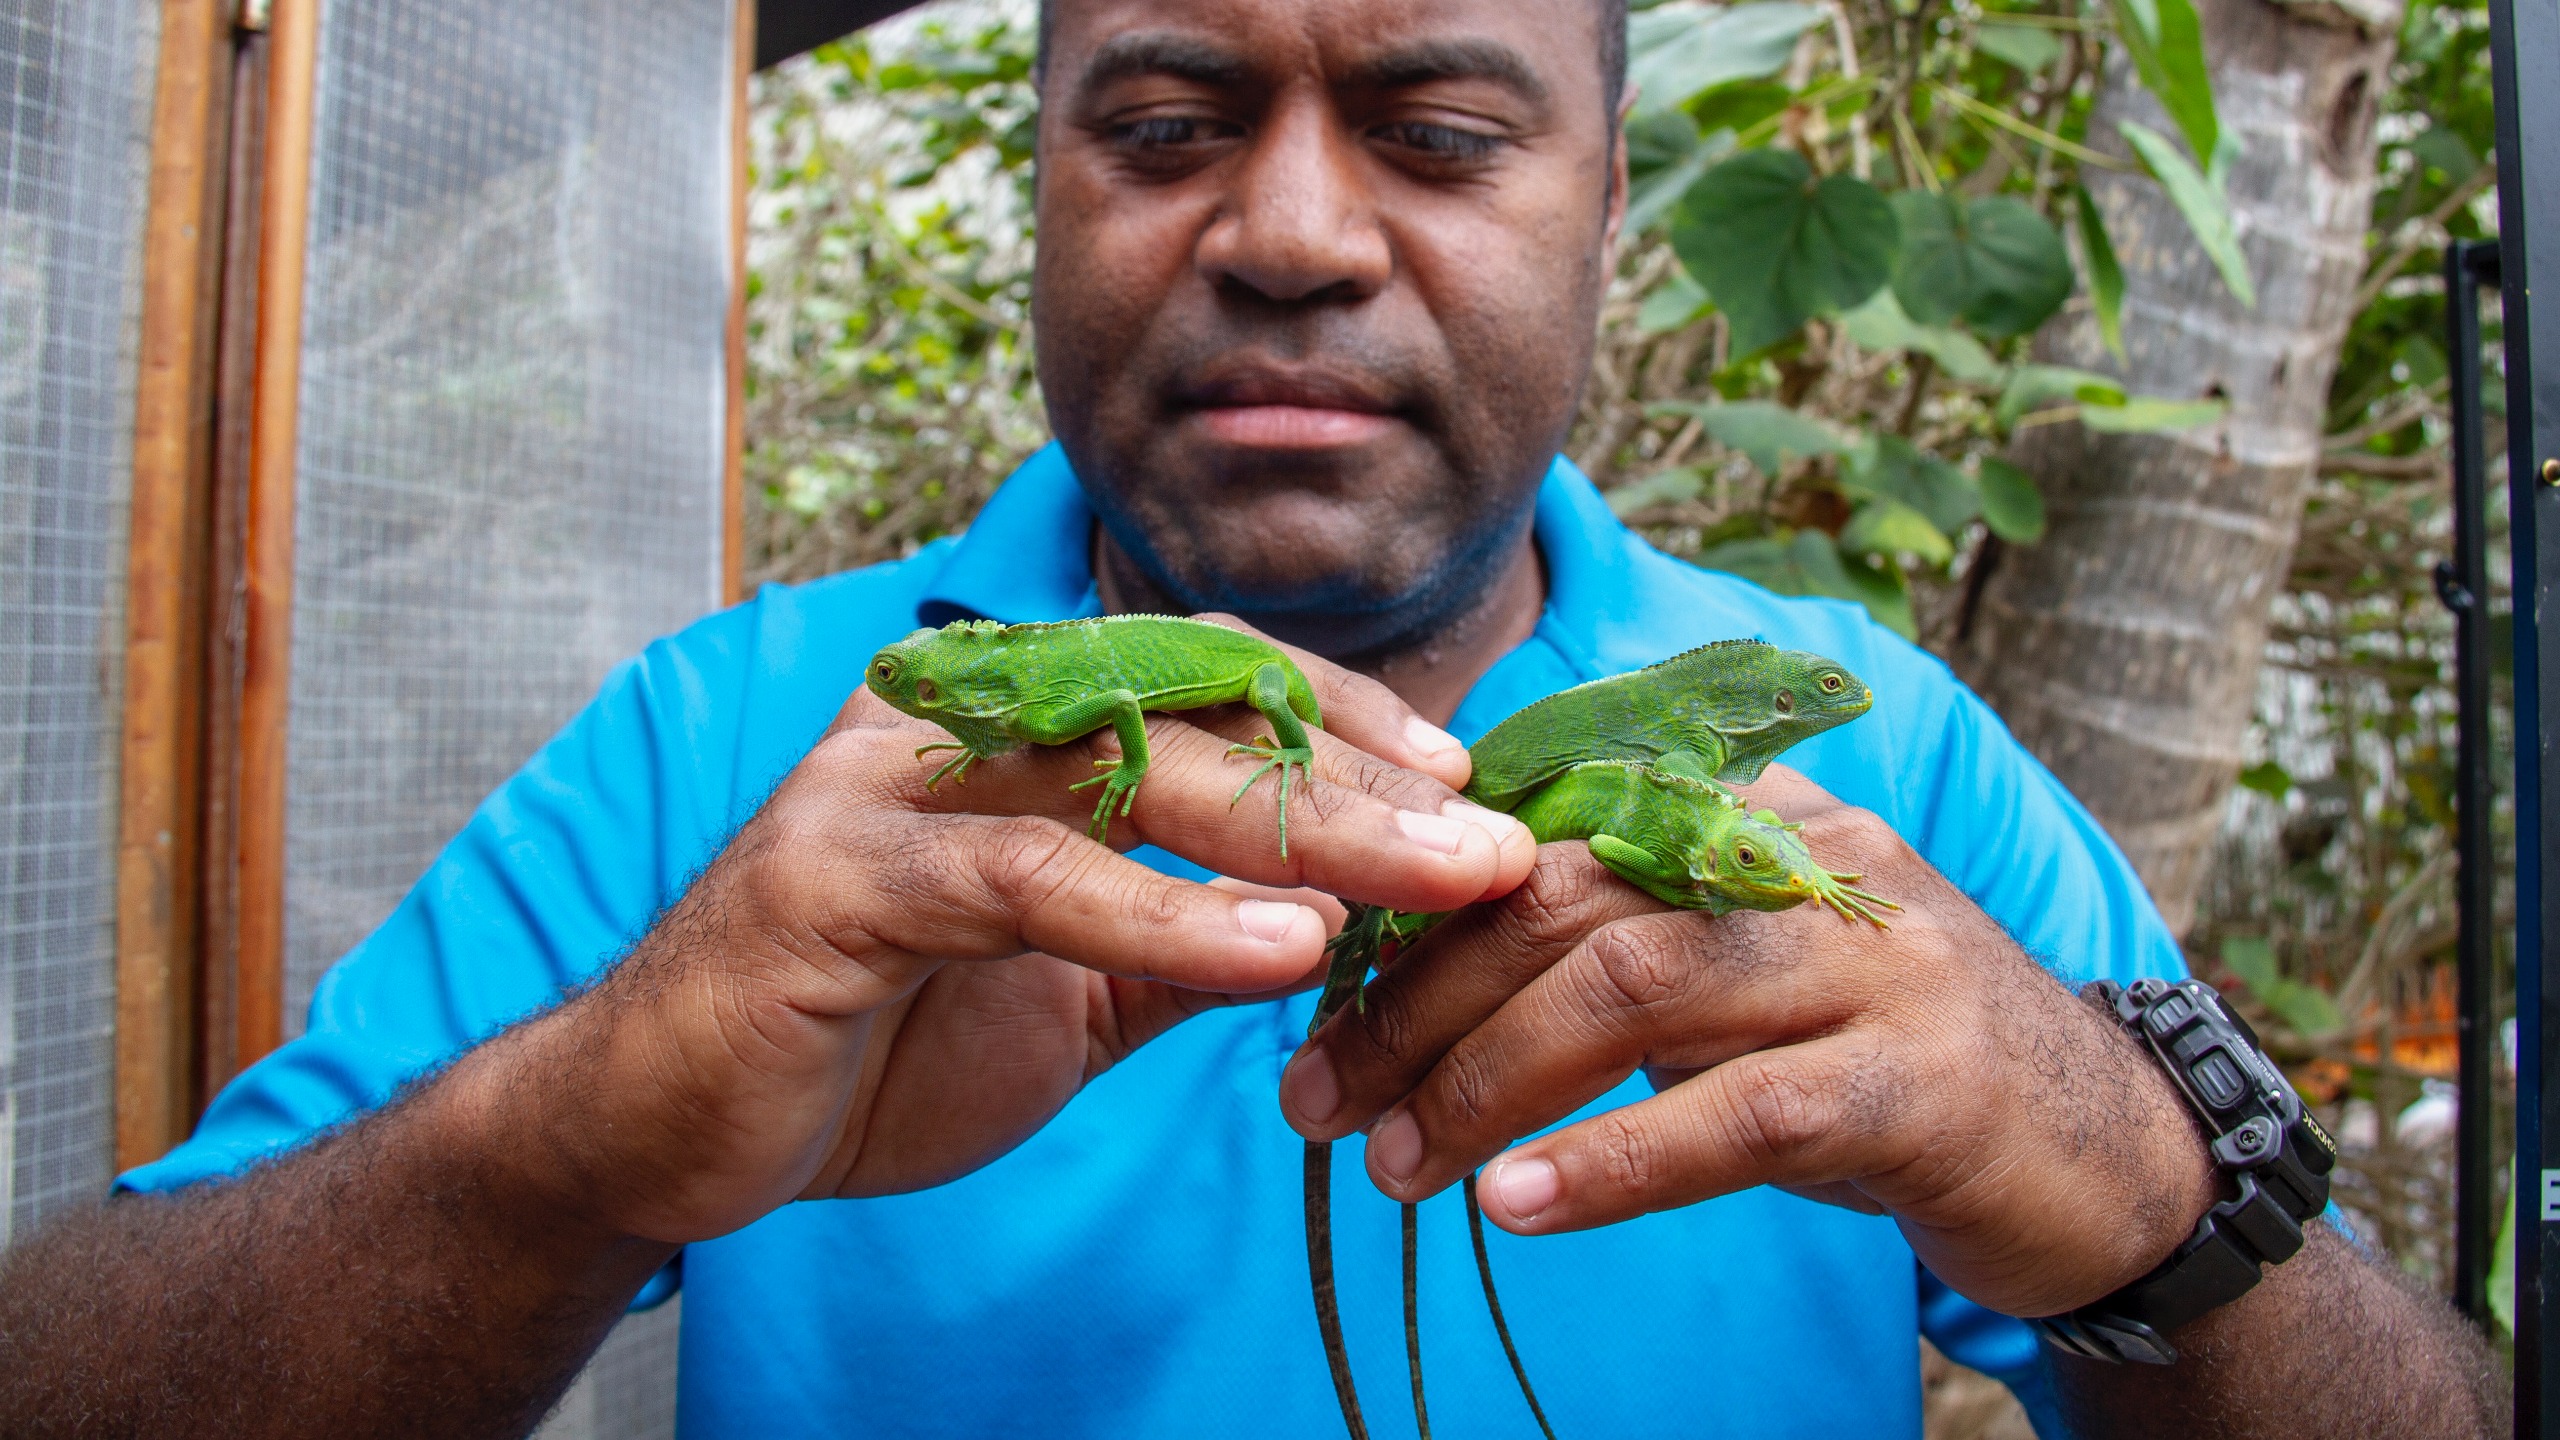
2035, 1157
879, 987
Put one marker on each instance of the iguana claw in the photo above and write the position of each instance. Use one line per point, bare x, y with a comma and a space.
1287, 757
957, 770
1114, 787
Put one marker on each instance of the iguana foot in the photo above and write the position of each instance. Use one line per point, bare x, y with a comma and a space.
1287, 757
957, 771
1118, 787
1850, 901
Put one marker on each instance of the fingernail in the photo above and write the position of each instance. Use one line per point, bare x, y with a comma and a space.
1433, 832
1268, 921
1524, 1187
1503, 828
1427, 738
1396, 1146
1310, 1089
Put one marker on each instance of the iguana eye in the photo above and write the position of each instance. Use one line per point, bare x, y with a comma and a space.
1746, 855
927, 692
887, 670
1832, 684
1786, 703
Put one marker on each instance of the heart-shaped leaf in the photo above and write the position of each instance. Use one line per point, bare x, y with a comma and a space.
1888, 528
1776, 247
1880, 325
1892, 468
2011, 504
1809, 563
1992, 262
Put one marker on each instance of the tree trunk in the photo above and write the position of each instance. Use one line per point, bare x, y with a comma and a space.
2123, 649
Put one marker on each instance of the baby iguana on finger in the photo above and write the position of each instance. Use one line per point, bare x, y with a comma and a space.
1733, 704
995, 687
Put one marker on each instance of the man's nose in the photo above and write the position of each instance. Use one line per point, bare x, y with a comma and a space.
1302, 223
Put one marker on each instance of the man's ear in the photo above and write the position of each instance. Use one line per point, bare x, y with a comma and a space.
1616, 219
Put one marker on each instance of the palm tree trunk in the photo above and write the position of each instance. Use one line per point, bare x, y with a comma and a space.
2123, 649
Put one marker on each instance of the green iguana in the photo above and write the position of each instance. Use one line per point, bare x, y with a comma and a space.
1733, 704
995, 687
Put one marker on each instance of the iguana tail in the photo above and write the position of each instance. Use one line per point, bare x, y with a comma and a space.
1493, 1303
1320, 1274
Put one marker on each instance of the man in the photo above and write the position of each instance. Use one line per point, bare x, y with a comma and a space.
1317, 284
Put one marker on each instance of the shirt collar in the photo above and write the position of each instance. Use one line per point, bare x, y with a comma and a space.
1029, 557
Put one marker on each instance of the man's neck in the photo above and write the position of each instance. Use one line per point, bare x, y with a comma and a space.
1432, 676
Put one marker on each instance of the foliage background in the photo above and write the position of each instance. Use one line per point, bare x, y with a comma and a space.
1855, 454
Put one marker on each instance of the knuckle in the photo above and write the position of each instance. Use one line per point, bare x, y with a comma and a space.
1547, 911
1638, 967
1024, 860
1779, 1112
1468, 1089
1627, 1156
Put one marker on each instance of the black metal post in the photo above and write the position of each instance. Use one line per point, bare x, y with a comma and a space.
2524, 58
2463, 582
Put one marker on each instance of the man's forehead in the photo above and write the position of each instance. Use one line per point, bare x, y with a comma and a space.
1538, 50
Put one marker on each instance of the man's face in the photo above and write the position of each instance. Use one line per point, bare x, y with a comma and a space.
1317, 282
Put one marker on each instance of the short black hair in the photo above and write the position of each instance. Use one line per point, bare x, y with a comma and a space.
1613, 55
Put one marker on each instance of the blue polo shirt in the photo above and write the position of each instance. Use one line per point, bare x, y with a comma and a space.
1138, 1268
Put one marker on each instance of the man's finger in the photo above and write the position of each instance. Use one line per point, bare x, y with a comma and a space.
1370, 1056
1368, 714
1822, 1113
986, 888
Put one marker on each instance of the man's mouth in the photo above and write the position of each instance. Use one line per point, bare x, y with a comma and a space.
1269, 409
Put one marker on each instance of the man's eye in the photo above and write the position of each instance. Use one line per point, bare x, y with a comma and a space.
1167, 132
1439, 142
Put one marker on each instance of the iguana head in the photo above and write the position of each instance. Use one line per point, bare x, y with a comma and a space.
928, 674
1759, 864
1807, 694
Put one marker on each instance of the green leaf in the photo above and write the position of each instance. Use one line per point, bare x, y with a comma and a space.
1775, 247
1674, 303
1654, 187
1769, 433
2253, 961
2307, 1008
2106, 277
2028, 47
1809, 563
1880, 325
2037, 387
1888, 528
1993, 262
2166, 44
2267, 778
2199, 201
1665, 487
2444, 149
2011, 504
2151, 415
1892, 468
1675, 55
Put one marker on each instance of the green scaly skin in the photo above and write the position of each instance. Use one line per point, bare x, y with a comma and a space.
996, 687
1734, 705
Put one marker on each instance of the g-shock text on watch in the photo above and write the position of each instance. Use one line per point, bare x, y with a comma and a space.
2274, 1152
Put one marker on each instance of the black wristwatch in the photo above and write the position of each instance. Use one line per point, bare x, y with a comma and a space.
2263, 1139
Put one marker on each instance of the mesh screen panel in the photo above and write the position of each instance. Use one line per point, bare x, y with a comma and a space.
511, 439
511, 412
75, 112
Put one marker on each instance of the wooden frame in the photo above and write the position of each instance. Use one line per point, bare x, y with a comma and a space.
157, 890
733, 476
267, 560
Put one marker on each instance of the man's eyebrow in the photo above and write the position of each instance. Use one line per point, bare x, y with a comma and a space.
1428, 61
1124, 57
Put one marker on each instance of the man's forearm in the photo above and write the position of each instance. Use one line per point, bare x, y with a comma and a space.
2327, 1345
398, 1277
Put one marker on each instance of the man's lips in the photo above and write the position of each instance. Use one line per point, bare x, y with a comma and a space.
1279, 411
1293, 427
